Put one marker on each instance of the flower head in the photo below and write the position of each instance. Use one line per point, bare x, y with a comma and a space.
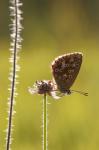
45, 87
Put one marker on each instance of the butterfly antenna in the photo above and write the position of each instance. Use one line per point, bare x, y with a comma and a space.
80, 92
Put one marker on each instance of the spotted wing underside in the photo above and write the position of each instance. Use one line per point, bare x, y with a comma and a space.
65, 69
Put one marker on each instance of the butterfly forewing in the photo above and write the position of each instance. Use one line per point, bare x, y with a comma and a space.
65, 69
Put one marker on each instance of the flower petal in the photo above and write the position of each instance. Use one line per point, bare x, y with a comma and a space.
33, 90
56, 95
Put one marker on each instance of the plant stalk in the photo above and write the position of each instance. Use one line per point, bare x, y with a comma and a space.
45, 123
15, 14
13, 85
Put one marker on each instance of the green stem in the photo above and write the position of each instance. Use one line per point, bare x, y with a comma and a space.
45, 122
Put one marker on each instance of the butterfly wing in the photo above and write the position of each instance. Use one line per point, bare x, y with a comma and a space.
65, 69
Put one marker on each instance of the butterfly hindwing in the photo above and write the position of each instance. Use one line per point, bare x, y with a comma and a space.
65, 69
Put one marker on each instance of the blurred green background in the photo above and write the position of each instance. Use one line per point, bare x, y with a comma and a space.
52, 28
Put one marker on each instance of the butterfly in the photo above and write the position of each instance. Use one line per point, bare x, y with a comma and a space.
65, 69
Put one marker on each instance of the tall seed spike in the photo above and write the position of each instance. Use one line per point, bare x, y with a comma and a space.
15, 45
